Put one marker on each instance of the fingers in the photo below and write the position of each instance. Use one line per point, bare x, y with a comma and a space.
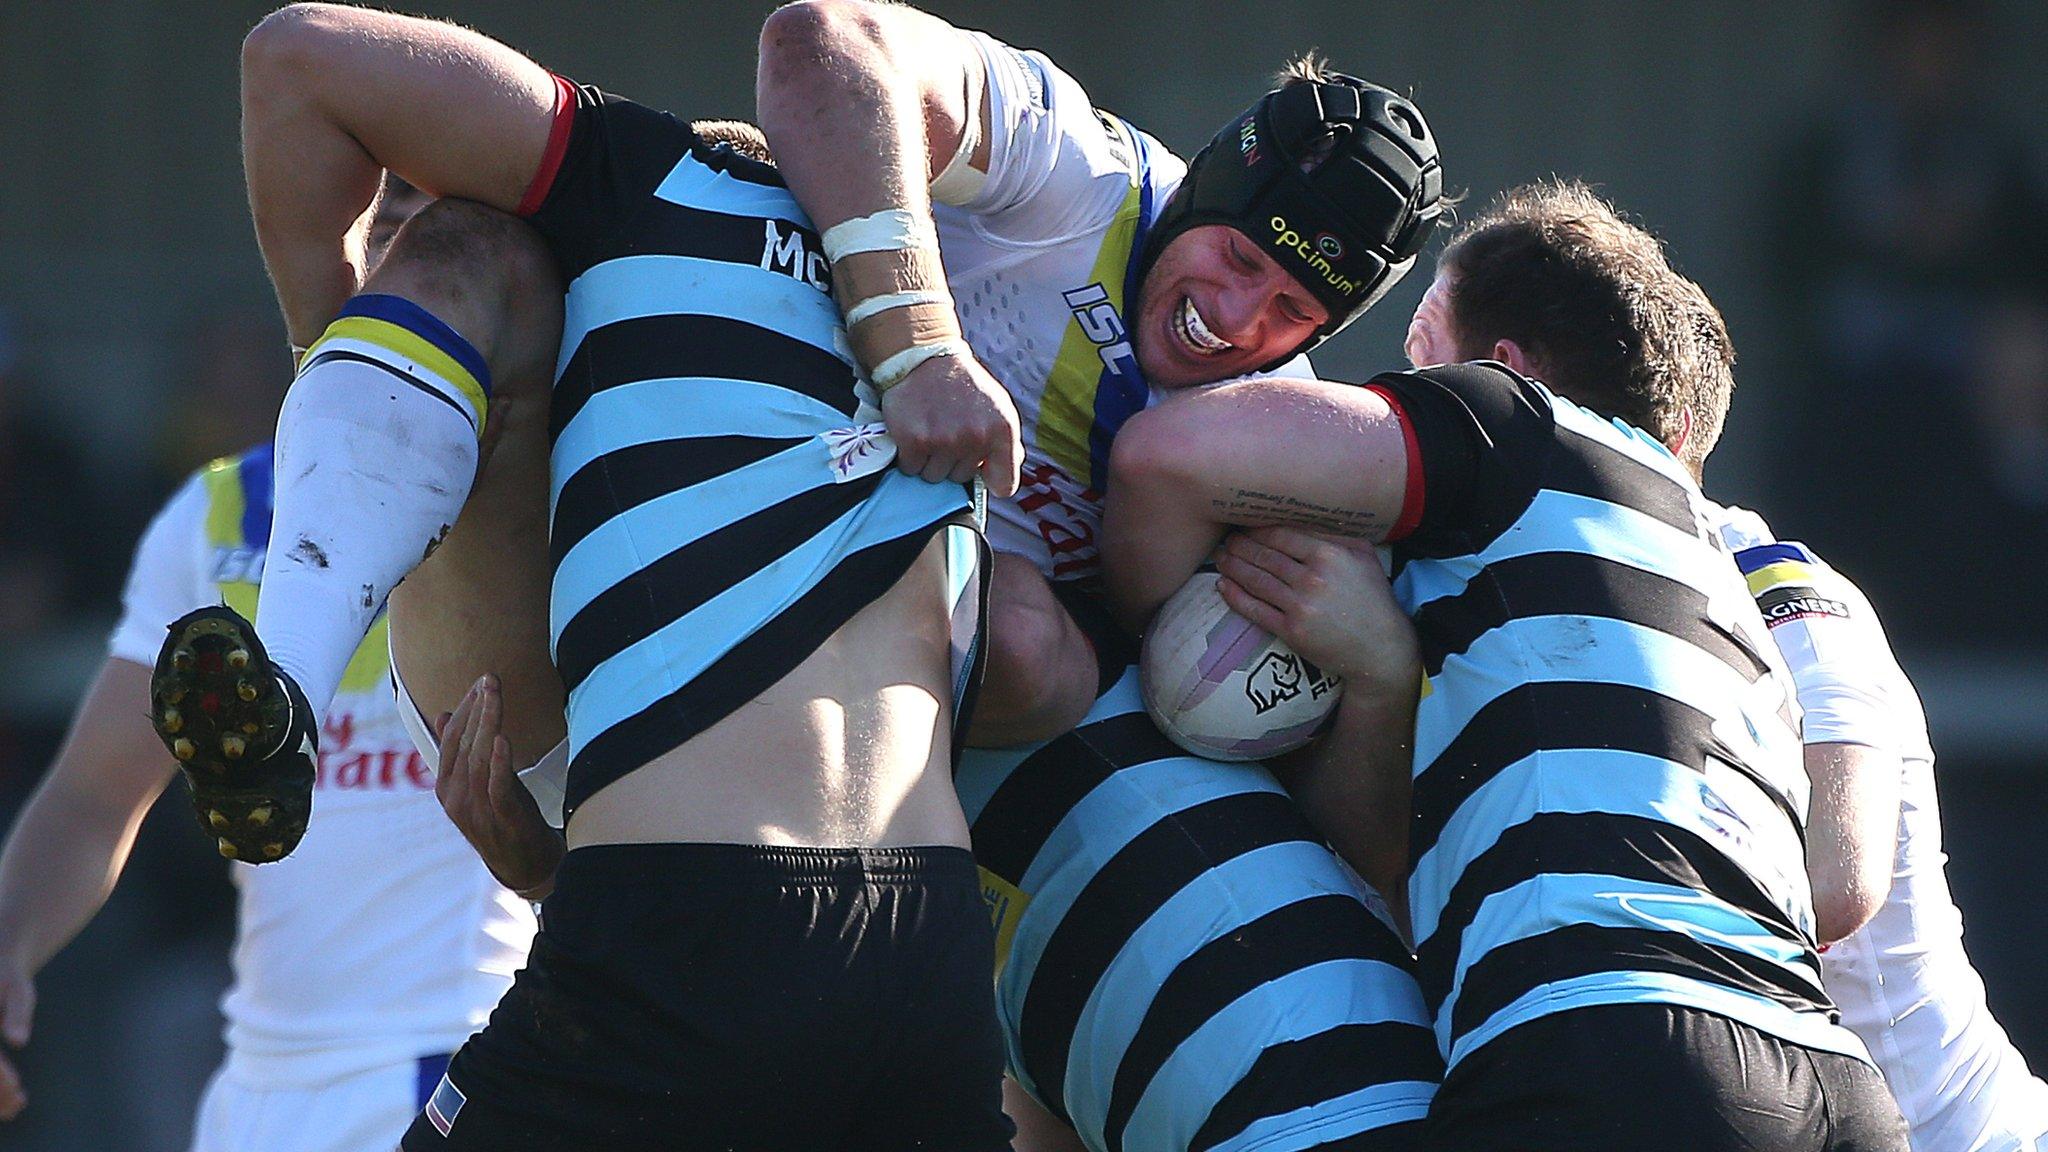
911, 456
17, 1007
17, 1011
13, 1098
1253, 549
1288, 541
452, 727
1003, 469
1254, 581
483, 741
1253, 609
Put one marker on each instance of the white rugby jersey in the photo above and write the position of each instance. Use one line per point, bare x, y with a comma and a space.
1903, 982
382, 938
1039, 261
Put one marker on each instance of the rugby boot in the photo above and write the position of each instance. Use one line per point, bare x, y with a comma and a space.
241, 731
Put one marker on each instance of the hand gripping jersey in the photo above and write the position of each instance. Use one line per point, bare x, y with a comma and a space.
721, 500
1182, 964
383, 938
1903, 981
1042, 263
1608, 786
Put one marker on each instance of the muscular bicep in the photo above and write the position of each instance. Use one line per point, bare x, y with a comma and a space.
332, 96
1852, 833
451, 110
1311, 454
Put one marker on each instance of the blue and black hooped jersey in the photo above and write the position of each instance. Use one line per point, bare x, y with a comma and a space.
719, 507
1608, 786
1182, 964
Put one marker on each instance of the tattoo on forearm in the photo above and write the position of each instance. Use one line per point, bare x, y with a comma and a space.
1251, 508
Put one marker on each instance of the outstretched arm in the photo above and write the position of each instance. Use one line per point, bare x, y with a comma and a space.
70, 843
1305, 453
864, 106
333, 95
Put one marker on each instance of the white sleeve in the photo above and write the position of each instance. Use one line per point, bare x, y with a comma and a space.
1840, 661
1055, 169
167, 578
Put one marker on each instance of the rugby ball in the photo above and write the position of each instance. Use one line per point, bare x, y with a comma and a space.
1222, 687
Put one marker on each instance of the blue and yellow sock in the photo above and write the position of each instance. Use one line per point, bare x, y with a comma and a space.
377, 447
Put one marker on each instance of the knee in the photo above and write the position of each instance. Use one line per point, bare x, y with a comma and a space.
488, 275
1040, 676
459, 247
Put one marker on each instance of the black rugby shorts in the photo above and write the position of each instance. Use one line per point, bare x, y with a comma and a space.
720, 996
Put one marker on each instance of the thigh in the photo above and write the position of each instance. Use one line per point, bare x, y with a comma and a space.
1042, 670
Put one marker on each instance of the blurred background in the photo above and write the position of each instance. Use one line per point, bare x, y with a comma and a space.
1862, 187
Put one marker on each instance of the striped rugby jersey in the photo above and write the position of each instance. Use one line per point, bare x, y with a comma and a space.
1608, 786
719, 505
1182, 964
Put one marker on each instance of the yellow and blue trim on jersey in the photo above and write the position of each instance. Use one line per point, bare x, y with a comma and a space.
1769, 566
1095, 384
413, 344
239, 492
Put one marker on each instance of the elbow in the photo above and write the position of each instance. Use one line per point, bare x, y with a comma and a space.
1151, 452
1842, 905
283, 51
797, 39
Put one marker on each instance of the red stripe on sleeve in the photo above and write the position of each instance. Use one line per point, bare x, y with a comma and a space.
558, 145
1411, 493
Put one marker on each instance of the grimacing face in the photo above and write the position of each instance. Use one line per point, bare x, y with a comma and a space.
1213, 306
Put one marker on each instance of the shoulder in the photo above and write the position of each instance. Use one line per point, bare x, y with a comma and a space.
1059, 166
1479, 397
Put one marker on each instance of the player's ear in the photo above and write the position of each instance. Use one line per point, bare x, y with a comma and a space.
1678, 442
1510, 353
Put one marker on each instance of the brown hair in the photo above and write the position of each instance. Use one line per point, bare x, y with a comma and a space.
738, 135
1311, 67
1594, 303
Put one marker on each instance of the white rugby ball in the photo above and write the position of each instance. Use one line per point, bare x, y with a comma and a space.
1222, 687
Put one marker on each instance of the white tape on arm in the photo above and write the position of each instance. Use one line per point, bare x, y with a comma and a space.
887, 300
889, 373
890, 230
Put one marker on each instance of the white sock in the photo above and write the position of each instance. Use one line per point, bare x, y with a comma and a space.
376, 452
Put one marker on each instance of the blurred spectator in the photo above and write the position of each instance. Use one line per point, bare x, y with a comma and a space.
48, 520
1912, 259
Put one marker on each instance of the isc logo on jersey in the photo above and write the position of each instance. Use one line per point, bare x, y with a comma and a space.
1104, 328
792, 252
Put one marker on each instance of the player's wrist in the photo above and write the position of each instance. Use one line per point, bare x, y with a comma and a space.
892, 291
